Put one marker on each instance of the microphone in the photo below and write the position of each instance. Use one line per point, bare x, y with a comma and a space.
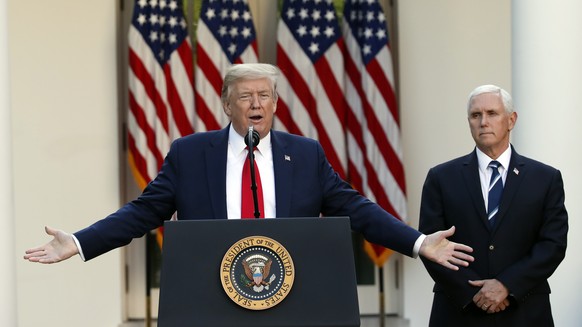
252, 140
252, 137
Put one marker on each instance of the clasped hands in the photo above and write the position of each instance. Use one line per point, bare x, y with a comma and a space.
492, 295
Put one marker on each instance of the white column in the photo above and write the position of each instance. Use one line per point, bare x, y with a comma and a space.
547, 83
8, 272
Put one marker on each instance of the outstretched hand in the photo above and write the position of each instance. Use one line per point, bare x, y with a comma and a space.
436, 247
60, 248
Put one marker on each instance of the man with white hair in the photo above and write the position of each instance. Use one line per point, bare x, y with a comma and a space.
510, 209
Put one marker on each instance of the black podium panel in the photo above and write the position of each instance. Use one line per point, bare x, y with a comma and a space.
324, 289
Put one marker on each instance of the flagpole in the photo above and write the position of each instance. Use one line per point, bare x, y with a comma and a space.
148, 298
381, 295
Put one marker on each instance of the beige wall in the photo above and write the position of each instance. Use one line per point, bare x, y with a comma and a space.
63, 90
65, 154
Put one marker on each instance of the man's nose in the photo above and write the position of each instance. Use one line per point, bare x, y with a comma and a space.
255, 101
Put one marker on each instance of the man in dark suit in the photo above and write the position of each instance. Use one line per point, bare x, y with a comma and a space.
201, 179
518, 241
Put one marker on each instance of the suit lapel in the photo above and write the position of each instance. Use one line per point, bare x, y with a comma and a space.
470, 171
515, 174
216, 153
283, 167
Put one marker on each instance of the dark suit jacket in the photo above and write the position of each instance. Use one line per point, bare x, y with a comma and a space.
522, 249
192, 182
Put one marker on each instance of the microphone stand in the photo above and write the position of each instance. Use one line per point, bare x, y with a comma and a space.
251, 139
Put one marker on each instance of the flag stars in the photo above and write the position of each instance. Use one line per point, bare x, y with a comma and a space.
316, 15
222, 30
234, 15
141, 19
233, 32
173, 21
313, 23
381, 17
314, 48
161, 28
224, 14
173, 38
173, 5
246, 16
366, 49
246, 32
153, 36
368, 33
232, 48
231, 24
210, 13
153, 19
381, 34
314, 32
329, 32
329, 15
302, 30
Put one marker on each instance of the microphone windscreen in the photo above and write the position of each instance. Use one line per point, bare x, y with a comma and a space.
253, 137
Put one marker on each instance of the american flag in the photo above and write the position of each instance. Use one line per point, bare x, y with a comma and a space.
373, 128
311, 88
226, 35
161, 92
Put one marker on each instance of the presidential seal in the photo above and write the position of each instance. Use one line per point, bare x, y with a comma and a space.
257, 273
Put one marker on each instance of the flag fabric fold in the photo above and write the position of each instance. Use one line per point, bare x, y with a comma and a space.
373, 128
161, 86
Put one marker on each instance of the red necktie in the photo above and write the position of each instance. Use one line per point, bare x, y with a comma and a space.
247, 202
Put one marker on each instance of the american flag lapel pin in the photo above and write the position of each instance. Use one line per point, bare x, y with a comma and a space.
287, 158
515, 171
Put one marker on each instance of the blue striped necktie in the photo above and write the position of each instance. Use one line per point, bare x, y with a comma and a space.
495, 191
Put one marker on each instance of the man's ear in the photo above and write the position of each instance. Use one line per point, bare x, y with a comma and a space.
226, 108
512, 120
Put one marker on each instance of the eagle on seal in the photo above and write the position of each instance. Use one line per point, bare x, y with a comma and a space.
256, 274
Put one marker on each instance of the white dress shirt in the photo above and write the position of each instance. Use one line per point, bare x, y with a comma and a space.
485, 172
235, 161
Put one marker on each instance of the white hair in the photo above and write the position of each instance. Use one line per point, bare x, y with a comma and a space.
489, 88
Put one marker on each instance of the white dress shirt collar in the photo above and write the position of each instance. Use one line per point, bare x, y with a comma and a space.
503, 159
237, 142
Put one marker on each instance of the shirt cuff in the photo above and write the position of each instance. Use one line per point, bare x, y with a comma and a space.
81, 249
417, 244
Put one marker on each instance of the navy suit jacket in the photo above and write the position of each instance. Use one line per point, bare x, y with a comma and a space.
192, 182
522, 249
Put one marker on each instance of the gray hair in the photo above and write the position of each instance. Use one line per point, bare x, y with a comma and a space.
505, 96
249, 71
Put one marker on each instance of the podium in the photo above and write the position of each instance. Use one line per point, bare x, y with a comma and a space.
315, 274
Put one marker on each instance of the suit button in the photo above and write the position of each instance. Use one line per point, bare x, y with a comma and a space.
491, 247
